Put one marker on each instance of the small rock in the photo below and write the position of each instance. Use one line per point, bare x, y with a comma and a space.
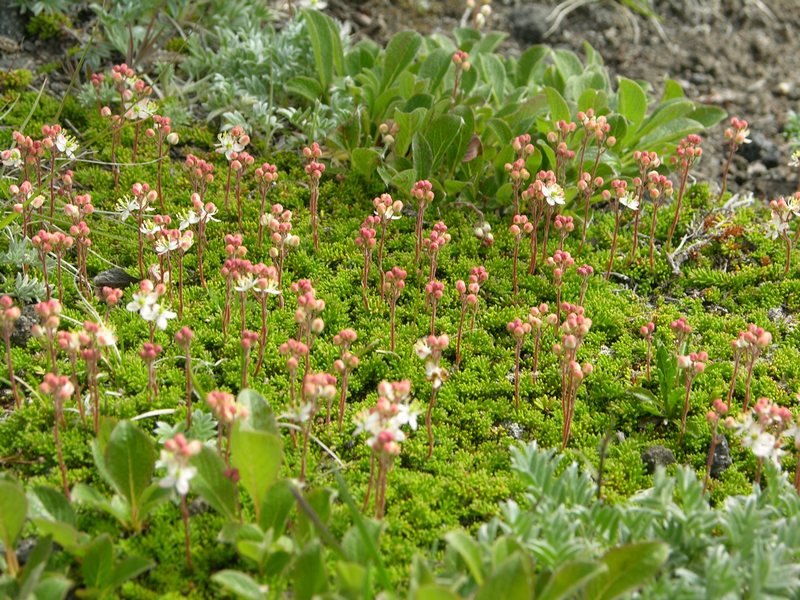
22, 328
24, 549
761, 148
529, 23
657, 456
722, 457
515, 430
620, 437
114, 278
784, 88
198, 506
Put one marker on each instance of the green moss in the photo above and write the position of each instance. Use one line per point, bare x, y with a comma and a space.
48, 26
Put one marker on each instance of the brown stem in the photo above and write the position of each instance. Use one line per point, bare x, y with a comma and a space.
187, 367
736, 362
710, 458
635, 244
10, 365
380, 257
392, 311
428, 414
460, 331
726, 168
678, 207
750, 366
186, 537
514, 265
61, 464
228, 186
653, 234
517, 351
370, 483
342, 400
613, 241
685, 409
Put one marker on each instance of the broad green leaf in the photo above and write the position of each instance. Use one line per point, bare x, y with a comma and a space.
708, 115
35, 566
664, 113
53, 587
98, 562
670, 132
567, 63
408, 124
631, 101
49, 503
400, 52
306, 87
130, 461
511, 580
13, 510
278, 505
128, 568
310, 577
488, 43
257, 455
494, 73
211, 483
240, 584
364, 161
672, 89
443, 132
325, 44
529, 63
468, 550
559, 110
260, 415
569, 579
422, 155
629, 567
434, 68
350, 578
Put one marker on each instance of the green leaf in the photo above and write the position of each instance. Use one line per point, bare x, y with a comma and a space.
240, 584
13, 510
53, 587
305, 87
278, 505
570, 578
629, 568
49, 503
672, 89
433, 591
310, 577
468, 550
400, 52
211, 483
631, 101
257, 455
443, 132
35, 566
559, 110
708, 115
408, 124
325, 44
98, 562
364, 161
260, 415
494, 73
529, 63
422, 155
664, 113
511, 580
130, 460
567, 63
128, 568
434, 68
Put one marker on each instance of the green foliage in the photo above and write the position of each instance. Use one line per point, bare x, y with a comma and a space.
47, 25
125, 458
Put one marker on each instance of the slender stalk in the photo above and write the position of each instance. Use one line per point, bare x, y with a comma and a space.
677, 217
428, 425
685, 409
186, 537
10, 365
710, 458
613, 240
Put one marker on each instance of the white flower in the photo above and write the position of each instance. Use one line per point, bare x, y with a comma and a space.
159, 314
143, 109
66, 145
13, 158
165, 244
630, 201
227, 145
435, 374
141, 300
149, 228
553, 194
178, 473
187, 219
777, 227
422, 349
245, 283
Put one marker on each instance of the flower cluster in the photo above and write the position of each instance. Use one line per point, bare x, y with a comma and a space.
147, 303
383, 422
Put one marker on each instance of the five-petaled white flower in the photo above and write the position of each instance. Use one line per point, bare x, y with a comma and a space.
66, 145
228, 145
553, 194
630, 201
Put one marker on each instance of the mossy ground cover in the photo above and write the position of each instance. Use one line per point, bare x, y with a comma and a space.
735, 279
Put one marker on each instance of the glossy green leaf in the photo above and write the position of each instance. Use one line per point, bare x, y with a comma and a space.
433, 591
435, 67
494, 73
570, 578
559, 110
130, 461
325, 44
310, 577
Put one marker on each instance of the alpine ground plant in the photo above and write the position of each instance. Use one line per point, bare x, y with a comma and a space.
254, 526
